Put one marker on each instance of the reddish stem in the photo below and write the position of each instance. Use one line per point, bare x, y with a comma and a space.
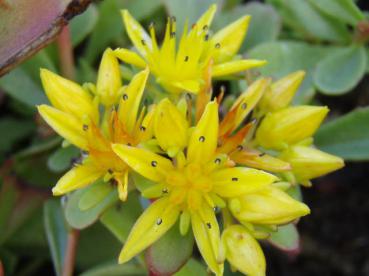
66, 53
70, 254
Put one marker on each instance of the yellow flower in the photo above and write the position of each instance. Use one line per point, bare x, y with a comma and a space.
193, 183
75, 116
183, 68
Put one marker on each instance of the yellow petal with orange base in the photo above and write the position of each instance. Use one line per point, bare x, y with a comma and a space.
203, 140
155, 221
144, 162
66, 125
77, 178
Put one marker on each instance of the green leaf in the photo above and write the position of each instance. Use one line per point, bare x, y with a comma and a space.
96, 245
94, 194
305, 19
81, 219
347, 136
192, 267
20, 86
41, 60
343, 10
82, 25
286, 238
108, 27
264, 26
8, 260
62, 158
170, 252
189, 9
285, 57
113, 269
13, 130
120, 218
340, 71
56, 232
8, 196
142, 9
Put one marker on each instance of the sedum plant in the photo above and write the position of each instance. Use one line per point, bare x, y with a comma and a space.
222, 167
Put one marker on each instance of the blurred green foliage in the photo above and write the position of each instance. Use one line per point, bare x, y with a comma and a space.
325, 38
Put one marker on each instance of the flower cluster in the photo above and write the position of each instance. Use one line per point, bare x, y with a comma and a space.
221, 173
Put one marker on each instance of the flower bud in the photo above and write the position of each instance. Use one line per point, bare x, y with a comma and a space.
60, 91
243, 251
282, 91
308, 163
270, 206
289, 126
109, 79
170, 127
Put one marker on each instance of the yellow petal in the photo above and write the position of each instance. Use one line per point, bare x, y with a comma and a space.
261, 161
206, 18
248, 100
77, 178
65, 125
228, 40
131, 99
236, 66
270, 206
144, 162
60, 91
243, 251
108, 79
203, 140
136, 33
122, 180
233, 182
170, 126
282, 91
289, 126
206, 231
308, 163
130, 57
156, 220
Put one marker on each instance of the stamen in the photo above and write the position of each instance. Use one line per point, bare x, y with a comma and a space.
244, 106
205, 27
234, 179
206, 37
165, 191
154, 163
217, 161
143, 41
202, 139
239, 147
217, 45
142, 128
159, 221
262, 154
85, 127
110, 171
208, 224
186, 58
172, 34
125, 97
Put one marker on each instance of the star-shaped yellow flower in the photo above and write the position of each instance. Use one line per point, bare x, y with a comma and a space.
75, 116
182, 68
194, 182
